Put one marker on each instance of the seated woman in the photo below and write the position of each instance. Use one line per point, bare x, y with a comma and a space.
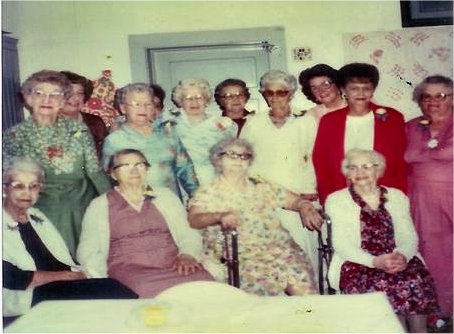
138, 235
37, 264
375, 243
270, 262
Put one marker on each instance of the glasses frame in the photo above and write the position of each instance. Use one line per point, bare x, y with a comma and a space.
276, 93
19, 186
324, 86
141, 165
363, 167
235, 156
230, 96
140, 105
439, 97
43, 95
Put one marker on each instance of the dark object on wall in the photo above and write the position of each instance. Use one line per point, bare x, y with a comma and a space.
12, 112
417, 13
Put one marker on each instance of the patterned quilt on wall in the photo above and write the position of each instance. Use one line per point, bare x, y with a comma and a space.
404, 58
101, 100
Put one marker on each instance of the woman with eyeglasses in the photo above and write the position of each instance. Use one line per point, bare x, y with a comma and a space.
283, 145
270, 262
361, 124
232, 95
171, 165
429, 156
320, 85
375, 242
36, 262
137, 234
197, 128
65, 149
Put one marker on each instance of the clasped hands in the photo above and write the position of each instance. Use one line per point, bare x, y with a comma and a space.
185, 265
390, 263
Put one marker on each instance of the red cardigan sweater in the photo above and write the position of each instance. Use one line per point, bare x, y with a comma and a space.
389, 140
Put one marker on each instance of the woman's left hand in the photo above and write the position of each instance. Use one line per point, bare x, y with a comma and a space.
310, 217
185, 265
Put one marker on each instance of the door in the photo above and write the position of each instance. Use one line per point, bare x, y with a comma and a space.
214, 63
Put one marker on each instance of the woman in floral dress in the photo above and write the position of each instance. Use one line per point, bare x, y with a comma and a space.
375, 242
63, 147
270, 262
197, 129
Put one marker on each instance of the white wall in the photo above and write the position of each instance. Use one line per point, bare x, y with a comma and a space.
88, 36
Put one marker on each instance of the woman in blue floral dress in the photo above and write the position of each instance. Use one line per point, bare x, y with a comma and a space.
198, 130
171, 165
375, 243
63, 147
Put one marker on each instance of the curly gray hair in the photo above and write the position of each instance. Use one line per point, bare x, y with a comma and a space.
433, 79
220, 147
122, 93
21, 164
201, 84
277, 76
47, 76
373, 156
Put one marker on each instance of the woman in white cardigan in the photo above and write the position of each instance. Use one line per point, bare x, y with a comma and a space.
138, 235
36, 262
375, 243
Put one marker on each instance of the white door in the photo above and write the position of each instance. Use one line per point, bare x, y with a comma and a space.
214, 63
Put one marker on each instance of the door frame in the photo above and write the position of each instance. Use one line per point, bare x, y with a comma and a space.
271, 38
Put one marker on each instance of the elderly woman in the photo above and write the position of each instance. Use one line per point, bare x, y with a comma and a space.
82, 90
198, 129
283, 143
375, 243
37, 265
270, 262
64, 147
124, 226
232, 95
320, 85
429, 155
362, 124
171, 165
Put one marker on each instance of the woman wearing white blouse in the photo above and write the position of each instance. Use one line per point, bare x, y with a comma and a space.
375, 243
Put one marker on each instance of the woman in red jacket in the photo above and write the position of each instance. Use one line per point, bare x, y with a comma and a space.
363, 125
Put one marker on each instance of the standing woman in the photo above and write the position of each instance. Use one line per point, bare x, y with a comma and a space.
197, 129
361, 124
64, 148
171, 165
232, 95
320, 84
280, 141
429, 155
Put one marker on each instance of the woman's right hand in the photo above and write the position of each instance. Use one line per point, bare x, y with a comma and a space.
390, 263
230, 220
44, 277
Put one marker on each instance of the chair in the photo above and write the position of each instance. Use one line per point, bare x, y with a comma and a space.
325, 254
230, 258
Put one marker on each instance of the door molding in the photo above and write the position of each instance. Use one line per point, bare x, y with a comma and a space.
272, 39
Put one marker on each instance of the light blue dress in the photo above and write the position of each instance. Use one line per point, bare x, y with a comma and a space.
171, 165
200, 137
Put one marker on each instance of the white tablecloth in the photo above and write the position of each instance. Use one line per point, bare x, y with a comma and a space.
214, 307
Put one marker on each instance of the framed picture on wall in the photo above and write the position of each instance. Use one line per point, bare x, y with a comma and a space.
417, 13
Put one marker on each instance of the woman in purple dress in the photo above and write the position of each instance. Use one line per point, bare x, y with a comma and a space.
375, 243
429, 155
139, 235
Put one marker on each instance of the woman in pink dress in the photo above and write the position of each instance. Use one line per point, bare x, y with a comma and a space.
138, 235
429, 155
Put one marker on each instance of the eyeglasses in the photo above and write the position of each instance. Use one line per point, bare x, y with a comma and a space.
128, 167
278, 93
439, 97
43, 95
232, 96
325, 85
363, 167
135, 105
193, 98
17, 186
235, 156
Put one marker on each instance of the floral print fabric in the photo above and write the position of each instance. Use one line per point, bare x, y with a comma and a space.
410, 291
269, 259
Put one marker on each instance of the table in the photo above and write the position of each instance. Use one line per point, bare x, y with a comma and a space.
207, 307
